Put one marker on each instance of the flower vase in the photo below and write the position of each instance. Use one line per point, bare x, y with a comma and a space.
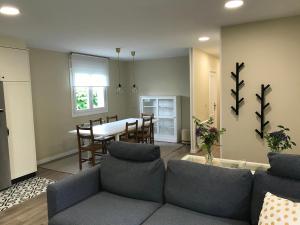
209, 156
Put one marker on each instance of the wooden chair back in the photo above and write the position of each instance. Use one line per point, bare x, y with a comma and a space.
111, 118
146, 125
147, 115
96, 122
84, 133
131, 131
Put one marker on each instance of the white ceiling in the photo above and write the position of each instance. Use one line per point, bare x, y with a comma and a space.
154, 28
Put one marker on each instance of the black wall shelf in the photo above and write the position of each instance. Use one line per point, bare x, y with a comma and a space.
263, 107
238, 86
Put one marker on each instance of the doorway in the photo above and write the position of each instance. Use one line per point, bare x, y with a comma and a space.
213, 97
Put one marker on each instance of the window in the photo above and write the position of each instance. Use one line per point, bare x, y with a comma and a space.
89, 83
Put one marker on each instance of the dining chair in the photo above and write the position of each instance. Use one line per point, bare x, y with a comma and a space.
145, 133
111, 118
131, 132
87, 143
104, 141
151, 115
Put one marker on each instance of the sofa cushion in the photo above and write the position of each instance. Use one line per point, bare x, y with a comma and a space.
263, 183
139, 180
285, 165
211, 190
174, 215
134, 152
105, 208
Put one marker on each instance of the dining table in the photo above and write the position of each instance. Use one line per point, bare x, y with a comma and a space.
115, 128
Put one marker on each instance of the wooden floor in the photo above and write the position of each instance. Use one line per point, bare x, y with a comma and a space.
34, 211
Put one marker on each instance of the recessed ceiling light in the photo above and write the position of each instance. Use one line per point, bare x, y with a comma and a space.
9, 10
233, 4
203, 39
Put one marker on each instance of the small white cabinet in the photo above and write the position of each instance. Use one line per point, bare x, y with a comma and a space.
167, 109
14, 65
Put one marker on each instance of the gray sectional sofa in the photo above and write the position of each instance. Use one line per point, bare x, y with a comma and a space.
132, 187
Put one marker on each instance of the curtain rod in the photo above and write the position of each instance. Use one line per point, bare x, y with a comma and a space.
90, 55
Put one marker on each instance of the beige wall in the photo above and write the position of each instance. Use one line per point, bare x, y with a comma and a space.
202, 64
52, 102
12, 42
52, 95
271, 52
169, 76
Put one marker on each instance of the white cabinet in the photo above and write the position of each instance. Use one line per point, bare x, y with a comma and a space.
167, 109
14, 65
19, 119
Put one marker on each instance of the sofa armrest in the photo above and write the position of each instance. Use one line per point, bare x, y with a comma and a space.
73, 189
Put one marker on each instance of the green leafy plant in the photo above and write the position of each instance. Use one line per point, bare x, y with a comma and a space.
95, 99
279, 141
81, 100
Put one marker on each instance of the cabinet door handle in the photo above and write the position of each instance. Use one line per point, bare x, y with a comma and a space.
3, 77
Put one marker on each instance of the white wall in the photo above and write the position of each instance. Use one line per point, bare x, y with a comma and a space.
271, 52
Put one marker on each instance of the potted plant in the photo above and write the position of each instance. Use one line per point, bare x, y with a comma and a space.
207, 136
279, 141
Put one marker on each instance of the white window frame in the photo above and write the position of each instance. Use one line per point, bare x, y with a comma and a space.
92, 111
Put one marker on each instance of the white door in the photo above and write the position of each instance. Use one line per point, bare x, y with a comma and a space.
21, 139
14, 65
213, 97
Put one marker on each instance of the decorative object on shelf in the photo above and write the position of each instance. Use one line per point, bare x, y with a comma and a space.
279, 141
134, 88
263, 107
119, 89
238, 86
208, 136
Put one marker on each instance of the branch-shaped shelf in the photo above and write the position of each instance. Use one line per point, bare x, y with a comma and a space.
238, 85
263, 107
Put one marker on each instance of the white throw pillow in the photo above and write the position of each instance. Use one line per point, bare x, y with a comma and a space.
279, 211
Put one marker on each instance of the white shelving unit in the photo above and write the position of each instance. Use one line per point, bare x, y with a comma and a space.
167, 109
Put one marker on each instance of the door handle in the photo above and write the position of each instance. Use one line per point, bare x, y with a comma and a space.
1, 110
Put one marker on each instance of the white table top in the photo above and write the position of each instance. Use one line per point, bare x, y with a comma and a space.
113, 128
229, 163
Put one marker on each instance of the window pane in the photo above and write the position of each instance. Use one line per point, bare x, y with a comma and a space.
98, 97
82, 98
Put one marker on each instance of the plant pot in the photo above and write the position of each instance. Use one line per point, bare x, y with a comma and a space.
209, 156
209, 159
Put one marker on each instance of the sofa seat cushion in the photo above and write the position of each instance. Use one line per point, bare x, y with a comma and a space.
106, 209
174, 215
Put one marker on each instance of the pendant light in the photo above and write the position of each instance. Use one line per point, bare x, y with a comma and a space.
134, 88
119, 89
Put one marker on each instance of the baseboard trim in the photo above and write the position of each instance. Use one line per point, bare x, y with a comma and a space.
57, 156
25, 177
